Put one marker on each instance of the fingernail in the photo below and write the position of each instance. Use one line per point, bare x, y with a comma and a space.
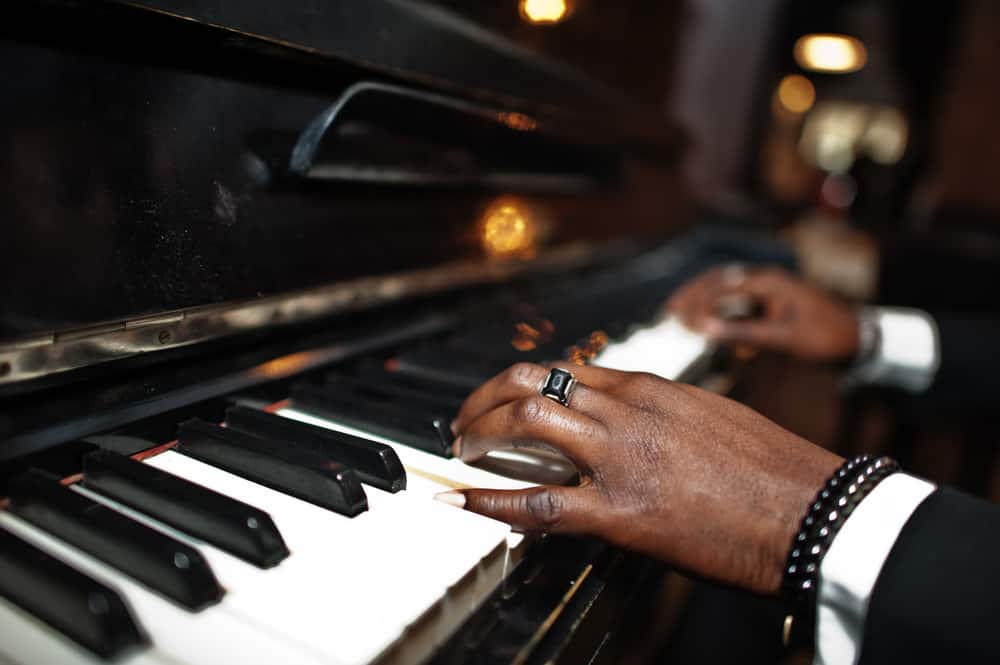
456, 447
454, 426
456, 499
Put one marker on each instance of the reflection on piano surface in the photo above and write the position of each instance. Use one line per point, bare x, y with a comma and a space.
253, 269
317, 520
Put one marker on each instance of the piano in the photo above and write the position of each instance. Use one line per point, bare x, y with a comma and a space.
256, 256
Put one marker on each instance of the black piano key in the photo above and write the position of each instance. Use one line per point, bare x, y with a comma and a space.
392, 421
511, 341
380, 374
384, 388
375, 463
76, 605
463, 370
240, 529
411, 403
162, 563
286, 469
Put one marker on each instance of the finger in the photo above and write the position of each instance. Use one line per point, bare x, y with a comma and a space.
764, 334
725, 293
549, 509
757, 290
534, 421
761, 283
686, 302
524, 380
602, 379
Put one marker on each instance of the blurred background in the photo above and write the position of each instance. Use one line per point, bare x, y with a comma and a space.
865, 134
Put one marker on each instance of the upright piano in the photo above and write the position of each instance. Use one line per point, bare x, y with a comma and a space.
254, 256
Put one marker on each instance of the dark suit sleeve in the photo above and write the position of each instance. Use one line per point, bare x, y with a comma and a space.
937, 598
970, 363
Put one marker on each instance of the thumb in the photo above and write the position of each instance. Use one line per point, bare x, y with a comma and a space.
550, 509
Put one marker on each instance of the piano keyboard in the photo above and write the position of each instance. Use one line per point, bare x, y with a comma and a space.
277, 538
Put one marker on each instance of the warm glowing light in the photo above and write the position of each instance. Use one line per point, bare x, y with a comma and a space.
831, 134
886, 136
586, 350
796, 93
519, 121
545, 11
838, 54
837, 133
527, 336
598, 340
508, 231
285, 365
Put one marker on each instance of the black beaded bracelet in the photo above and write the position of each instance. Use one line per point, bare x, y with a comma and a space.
845, 489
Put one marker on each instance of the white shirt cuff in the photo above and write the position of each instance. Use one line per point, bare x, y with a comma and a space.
853, 563
907, 354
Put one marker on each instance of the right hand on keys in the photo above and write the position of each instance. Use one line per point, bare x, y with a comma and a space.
679, 473
794, 317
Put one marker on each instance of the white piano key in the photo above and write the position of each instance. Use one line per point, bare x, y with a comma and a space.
26, 640
667, 349
442, 474
353, 585
4, 658
451, 473
209, 637
392, 513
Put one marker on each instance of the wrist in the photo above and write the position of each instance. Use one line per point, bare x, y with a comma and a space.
869, 336
806, 475
855, 336
829, 511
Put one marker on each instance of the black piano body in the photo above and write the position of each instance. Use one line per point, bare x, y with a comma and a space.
206, 200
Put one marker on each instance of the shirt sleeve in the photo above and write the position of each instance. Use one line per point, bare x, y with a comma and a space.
906, 351
853, 563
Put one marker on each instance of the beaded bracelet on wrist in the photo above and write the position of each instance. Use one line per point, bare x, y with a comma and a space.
845, 489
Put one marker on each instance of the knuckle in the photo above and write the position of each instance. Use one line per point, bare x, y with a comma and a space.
644, 381
644, 389
524, 374
530, 410
593, 431
546, 509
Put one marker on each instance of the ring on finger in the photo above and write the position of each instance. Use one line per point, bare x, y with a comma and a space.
559, 386
734, 274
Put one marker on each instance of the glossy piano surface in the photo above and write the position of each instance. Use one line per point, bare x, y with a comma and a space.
385, 34
391, 584
387, 191
221, 184
178, 192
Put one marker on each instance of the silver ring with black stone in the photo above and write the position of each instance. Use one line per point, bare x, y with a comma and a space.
559, 386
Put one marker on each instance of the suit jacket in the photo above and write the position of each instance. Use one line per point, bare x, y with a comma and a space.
970, 363
937, 598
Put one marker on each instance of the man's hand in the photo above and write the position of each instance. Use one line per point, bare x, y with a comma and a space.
794, 317
684, 475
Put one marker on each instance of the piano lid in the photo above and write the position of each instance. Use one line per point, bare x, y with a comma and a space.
421, 40
165, 181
